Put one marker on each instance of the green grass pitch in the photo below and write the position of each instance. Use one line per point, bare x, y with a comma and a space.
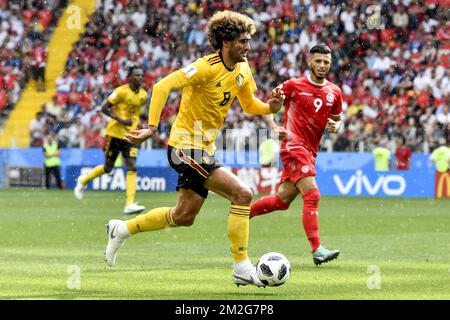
51, 247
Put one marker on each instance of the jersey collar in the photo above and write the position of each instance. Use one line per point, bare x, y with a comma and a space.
134, 91
317, 84
221, 58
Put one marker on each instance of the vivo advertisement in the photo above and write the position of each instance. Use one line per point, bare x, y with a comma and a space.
370, 183
348, 183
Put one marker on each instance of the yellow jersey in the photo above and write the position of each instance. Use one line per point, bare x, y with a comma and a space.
209, 89
127, 105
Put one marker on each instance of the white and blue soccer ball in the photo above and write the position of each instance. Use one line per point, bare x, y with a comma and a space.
273, 269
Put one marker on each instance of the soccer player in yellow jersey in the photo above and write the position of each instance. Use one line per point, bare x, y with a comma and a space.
123, 106
209, 87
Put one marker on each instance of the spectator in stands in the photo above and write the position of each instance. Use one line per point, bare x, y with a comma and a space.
38, 62
81, 82
36, 29
53, 107
74, 108
443, 115
382, 62
16, 23
64, 83
412, 43
37, 130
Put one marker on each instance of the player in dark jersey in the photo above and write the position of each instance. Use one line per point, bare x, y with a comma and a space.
312, 104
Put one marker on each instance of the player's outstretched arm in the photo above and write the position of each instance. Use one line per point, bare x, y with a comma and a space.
139, 136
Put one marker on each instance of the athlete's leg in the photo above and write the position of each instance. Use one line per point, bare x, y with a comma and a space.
225, 183
183, 214
111, 154
311, 197
286, 193
187, 207
131, 180
108, 166
310, 218
131, 183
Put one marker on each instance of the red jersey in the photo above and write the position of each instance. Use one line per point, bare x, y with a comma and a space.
402, 157
39, 57
307, 107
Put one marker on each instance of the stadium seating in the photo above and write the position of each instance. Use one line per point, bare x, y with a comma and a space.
419, 75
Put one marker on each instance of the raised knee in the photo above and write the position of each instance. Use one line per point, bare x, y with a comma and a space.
184, 222
243, 196
107, 169
184, 218
283, 204
312, 196
131, 168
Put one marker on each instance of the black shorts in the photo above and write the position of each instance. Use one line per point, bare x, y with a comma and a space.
193, 167
114, 146
39, 73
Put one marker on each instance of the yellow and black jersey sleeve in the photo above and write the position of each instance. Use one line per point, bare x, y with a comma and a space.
251, 104
196, 73
117, 95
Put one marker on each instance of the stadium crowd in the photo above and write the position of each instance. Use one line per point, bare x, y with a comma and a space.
391, 61
23, 27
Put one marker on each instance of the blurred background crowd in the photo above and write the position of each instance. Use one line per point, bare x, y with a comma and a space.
390, 59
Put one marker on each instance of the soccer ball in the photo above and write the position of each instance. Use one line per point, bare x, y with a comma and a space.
273, 269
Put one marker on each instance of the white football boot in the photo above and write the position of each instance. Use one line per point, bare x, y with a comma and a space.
133, 209
248, 277
114, 241
79, 189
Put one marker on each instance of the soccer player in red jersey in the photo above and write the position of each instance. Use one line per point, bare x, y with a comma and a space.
312, 104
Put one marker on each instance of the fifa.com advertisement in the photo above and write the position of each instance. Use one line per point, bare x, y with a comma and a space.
149, 179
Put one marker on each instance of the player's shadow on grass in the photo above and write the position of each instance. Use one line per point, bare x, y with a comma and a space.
320, 268
99, 295
246, 294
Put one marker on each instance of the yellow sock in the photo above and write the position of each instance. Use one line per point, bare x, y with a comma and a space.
96, 172
155, 219
131, 186
238, 231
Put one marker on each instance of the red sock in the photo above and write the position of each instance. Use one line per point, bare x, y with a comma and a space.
266, 205
311, 217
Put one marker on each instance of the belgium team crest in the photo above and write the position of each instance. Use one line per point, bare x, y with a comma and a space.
240, 80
